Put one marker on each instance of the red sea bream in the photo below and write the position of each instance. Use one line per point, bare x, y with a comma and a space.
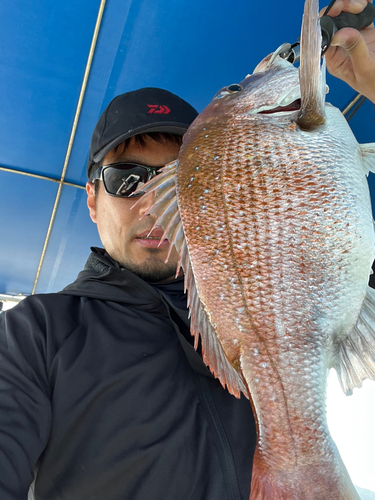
269, 209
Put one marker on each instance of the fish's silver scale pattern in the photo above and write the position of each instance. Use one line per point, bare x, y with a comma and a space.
262, 239
290, 233
246, 209
279, 244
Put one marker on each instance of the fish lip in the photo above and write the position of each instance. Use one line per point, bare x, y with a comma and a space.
294, 107
292, 95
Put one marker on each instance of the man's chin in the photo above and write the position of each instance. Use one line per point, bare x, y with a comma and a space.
152, 270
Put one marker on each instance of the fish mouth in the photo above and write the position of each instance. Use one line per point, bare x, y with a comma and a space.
288, 102
293, 106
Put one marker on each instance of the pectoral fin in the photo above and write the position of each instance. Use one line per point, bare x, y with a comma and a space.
368, 157
355, 354
311, 73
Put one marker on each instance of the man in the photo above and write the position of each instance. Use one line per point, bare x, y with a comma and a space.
123, 232
101, 392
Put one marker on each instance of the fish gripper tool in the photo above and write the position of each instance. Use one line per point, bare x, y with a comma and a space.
329, 25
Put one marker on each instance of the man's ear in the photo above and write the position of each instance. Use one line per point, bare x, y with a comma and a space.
91, 200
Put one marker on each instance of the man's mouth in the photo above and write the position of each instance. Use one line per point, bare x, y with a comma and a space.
153, 239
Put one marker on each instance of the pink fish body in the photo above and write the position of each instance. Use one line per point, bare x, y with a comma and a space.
268, 206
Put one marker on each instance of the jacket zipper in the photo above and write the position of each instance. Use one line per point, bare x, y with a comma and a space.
226, 456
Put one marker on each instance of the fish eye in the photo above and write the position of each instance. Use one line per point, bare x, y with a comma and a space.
234, 87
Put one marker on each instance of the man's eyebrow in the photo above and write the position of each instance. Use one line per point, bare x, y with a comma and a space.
132, 159
123, 159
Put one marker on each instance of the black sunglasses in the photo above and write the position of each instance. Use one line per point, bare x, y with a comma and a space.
122, 179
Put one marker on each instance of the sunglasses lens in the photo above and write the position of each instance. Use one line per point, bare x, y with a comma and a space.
124, 180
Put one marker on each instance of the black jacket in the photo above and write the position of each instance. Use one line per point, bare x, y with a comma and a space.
103, 397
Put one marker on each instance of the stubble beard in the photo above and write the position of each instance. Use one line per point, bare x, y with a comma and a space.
153, 269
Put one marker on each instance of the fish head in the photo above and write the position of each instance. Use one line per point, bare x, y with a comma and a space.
272, 88
274, 85
277, 87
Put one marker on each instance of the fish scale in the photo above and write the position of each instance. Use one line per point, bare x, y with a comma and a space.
258, 241
292, 242
275, 235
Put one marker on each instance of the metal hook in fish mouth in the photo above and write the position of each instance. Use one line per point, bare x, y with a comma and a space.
280, 51
288, 52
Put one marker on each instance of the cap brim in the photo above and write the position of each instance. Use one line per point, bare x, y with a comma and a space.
171, 128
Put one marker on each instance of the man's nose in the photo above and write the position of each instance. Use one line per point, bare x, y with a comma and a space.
143, 204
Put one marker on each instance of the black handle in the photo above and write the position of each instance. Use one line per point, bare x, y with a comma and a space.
330, 25
357, 21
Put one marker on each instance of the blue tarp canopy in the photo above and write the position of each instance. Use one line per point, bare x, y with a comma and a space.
61, 62
55, 81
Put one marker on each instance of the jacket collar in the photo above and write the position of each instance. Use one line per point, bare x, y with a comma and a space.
103, 278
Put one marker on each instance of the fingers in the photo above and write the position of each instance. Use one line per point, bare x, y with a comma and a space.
352, 41
351, 56
361, 75
356, 48
353, 6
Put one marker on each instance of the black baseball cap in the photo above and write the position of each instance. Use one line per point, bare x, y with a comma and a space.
140, 111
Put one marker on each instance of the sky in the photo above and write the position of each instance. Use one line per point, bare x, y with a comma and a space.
351, 420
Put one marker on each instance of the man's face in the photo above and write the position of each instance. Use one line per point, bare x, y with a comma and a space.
122, 231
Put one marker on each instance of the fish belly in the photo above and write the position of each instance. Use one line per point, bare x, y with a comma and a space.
279, 230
